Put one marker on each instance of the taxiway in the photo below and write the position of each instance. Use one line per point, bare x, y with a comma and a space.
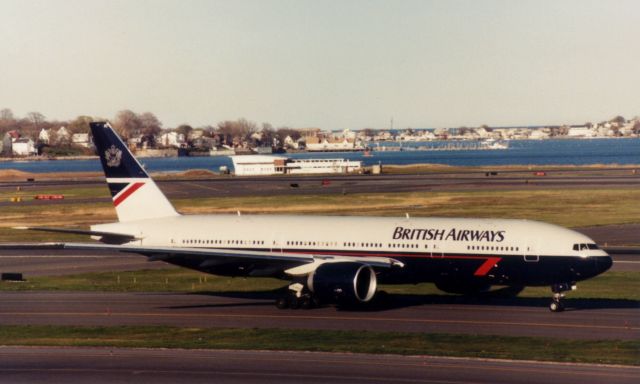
114, 365
583, 319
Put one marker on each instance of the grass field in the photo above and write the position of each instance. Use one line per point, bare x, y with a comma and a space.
524, 348
608, 286
564, 207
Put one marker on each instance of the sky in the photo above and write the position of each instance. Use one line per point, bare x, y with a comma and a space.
328, 64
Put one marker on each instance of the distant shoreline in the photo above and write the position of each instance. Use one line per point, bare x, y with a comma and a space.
373, 145
16, 175
43, 158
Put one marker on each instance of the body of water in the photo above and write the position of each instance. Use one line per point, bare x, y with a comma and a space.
520, 152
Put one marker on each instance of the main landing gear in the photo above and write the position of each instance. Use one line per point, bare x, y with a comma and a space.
298, 297
558, 294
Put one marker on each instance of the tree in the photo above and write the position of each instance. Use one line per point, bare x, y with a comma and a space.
36, 118
268, 134
238, 131
7, 120
368, 132
80, 124
184, 129
209, 130
127, 124
618, 119
150, 126
225, 129
6, 114
283, 132
246, 128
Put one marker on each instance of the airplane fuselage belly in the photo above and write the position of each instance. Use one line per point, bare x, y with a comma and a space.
510, 270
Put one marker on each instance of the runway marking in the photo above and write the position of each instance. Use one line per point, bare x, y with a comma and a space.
349, 318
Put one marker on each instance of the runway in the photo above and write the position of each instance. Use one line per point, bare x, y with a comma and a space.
584, 319
341, 184
58, 262
109, 365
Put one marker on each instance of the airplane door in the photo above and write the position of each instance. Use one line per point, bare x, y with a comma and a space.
531, 252
436, 252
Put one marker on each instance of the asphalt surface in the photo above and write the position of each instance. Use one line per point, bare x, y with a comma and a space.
332, 184
583, 319
58, 262
113, 365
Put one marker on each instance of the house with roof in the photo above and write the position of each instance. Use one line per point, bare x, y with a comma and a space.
24, 147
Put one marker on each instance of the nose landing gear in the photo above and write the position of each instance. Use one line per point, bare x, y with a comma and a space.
558, 294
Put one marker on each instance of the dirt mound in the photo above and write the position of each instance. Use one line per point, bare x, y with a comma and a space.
14, 174
190, 174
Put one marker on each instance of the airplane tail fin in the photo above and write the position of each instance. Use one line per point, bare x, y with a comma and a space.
135, 195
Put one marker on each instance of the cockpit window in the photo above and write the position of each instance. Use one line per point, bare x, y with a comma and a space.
585, 247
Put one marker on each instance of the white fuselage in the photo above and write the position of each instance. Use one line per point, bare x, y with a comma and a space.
489, 240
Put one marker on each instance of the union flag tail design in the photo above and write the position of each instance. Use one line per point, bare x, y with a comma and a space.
135, 195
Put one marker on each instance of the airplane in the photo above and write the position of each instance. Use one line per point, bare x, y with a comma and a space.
335, 259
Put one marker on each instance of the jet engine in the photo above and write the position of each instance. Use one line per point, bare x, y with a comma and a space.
343, 282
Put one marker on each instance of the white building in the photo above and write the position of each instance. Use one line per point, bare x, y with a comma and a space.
580, 132
44, 136
24, 147
62, 135
538, 134
252, 165
172, 139
326, 146
80, 140
290, 143
482, 132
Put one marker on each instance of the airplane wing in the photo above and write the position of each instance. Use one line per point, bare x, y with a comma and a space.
295, 264
106, 237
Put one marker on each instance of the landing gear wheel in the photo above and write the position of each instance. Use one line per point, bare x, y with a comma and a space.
282, 303
306, 303
294, 302
556, 306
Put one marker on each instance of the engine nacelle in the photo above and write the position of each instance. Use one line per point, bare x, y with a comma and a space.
343, 282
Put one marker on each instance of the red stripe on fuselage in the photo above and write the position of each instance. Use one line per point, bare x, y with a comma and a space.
126, 193
487, 265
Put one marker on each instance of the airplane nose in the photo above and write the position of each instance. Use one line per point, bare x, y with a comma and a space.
603, 263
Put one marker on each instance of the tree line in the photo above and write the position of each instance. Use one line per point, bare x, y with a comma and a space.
147, 127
